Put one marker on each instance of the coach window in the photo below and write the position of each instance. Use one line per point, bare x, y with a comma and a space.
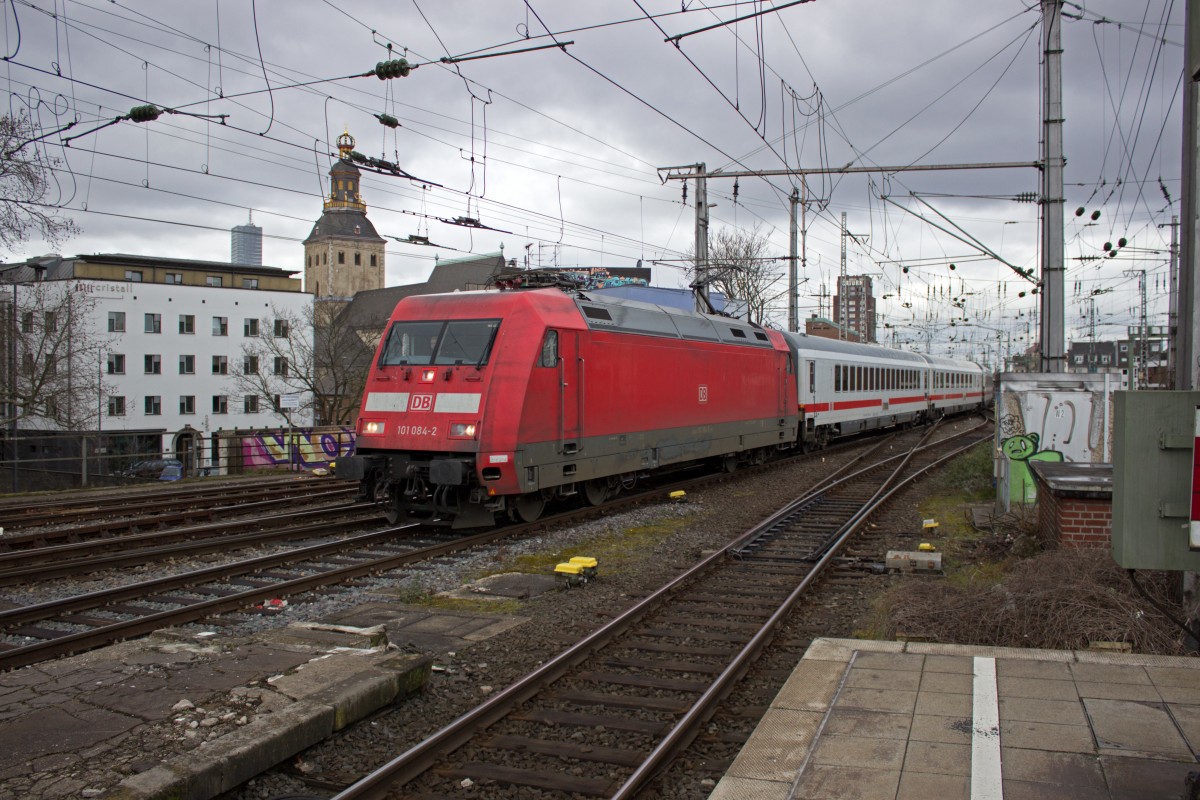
837, 378
549, 350
812, 377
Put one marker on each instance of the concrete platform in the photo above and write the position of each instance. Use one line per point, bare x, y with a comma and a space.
187, 715
916, 721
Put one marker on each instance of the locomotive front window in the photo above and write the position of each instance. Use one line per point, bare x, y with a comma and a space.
439, 342
467, 341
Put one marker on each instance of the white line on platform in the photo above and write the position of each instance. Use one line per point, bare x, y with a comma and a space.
986, 779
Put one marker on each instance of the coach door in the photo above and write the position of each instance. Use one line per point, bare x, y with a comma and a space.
570, 380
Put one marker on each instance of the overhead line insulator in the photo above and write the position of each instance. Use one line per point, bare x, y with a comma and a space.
147, 113
396, 68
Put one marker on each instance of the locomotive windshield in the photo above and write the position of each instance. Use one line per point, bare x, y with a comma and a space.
450, 342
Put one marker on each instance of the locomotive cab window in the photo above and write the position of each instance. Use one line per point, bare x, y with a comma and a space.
440, 342
549, 357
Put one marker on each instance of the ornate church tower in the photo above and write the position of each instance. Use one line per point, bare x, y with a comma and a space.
343, 255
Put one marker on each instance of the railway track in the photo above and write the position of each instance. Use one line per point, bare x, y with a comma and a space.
79, 558
139, 510
655, 673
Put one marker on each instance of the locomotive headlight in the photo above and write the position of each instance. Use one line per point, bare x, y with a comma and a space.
462, 430
374, 428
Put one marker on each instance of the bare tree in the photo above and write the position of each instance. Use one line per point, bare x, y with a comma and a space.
739, 268
314, 354
25, 183
51, 363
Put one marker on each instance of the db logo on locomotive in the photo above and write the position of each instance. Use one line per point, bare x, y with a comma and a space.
421, 402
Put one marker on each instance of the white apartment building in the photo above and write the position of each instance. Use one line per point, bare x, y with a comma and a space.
167, 340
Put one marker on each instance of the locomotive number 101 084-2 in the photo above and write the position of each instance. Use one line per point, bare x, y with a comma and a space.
417, 430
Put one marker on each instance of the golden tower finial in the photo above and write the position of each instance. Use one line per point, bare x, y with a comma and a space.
345, 144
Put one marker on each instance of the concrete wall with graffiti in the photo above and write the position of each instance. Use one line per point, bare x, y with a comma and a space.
309, 448
1049, 417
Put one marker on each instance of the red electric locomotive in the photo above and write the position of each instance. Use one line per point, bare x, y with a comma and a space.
486, 403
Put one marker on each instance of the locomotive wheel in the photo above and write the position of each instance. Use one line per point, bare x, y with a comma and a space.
530, 506
391, 511
595, 492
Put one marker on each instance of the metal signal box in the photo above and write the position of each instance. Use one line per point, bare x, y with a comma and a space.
1153, 462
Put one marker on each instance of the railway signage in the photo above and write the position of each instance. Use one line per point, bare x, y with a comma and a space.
289, 401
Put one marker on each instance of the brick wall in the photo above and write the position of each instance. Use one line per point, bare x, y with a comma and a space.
1073, 521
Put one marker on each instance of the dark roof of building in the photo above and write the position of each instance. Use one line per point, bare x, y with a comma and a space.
344, 223
372, 308
56, 267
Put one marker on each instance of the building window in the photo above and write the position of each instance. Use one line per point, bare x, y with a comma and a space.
1124, 347
187, 365
220, 326
358, 259
250, 365
154, 323
116, 322
1104, 359
220, 365
187, 404
187, 323
220, 404
116, 364
175, 278
250, 404
281, 366
310, 261
341, 257
134, 275
250, 328
281, 328
27, 322
116, 406
153, 364
1078, 359
372, 259
153, 405
27, 363
249, 283
214, 280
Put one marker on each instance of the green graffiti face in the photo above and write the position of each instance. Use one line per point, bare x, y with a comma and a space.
1019, 448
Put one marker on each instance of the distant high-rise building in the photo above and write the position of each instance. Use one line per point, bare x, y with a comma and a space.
854, 306
246, 244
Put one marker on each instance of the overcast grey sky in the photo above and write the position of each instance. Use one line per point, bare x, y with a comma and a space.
557, 149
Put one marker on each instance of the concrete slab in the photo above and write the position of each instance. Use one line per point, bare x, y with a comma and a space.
1041, 766
1038, 689
821, 782
874, 724
861, 677
923, 786
1138, 779
784, 739
1138, 727
60, 729
940, 758
929, 728
852, 751
811, 686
